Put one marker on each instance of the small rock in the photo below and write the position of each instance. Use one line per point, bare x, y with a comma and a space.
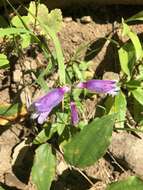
33, 65
86, 19
75, 39
17, 74
27, 65
111, 76
11, 180
67, 19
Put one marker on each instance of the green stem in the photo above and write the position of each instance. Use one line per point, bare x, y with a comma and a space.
129, 129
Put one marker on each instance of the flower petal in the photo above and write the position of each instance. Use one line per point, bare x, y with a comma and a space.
74, 113
42, 117
100, 86
45, 104
50, 100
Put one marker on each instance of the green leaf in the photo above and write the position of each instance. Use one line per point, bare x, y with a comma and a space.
135, 40
62, 120
45, 135
52, 33
1, 188
12, 31
4, 62
131, 183
133, 84
9, 110
138, 95
43, 170
77, 72
137, 111
119, 106
18, 21
138, 16
127, 58
91, 143
140, 73
54, 20
137, 45
42, 12
123, 57
26, 40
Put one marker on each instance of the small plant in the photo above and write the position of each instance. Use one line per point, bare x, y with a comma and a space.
79, 140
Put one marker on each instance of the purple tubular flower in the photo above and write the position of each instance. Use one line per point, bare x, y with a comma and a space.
100, 86
45, 104
74, 113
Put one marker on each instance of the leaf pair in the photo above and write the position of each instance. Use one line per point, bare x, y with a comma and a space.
85, 148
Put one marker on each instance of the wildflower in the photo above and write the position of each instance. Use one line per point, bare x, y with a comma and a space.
100, 86
45, 104
74, 113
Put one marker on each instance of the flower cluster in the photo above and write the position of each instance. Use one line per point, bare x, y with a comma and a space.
44, 105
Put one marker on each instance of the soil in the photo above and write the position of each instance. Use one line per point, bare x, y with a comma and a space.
81, 26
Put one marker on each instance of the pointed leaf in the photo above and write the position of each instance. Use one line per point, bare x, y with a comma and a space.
54, 20
135, 40
12, 31
127, 58
42, 12
138, 16
91, 143
4, 62
138, 95
43, 170
131, 183
17, 22
119, 107
137, 111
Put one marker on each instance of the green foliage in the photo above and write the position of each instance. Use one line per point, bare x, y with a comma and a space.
1, 188
127, 59
45, 134
12, 31
131, 183
136, 17
91, 143
4, 62
9, 110
117, 105
43, 170
138, 95
137, 112
58, 126
135, 40
46, 23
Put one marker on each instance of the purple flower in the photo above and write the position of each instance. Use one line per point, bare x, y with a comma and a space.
45, 104
74, 113
100, 86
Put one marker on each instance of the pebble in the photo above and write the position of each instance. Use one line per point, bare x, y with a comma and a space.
33, 65
17, 75
86, 19
67, 19
110, 76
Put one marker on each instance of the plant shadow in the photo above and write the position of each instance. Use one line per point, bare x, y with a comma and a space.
72, 180
23, 164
